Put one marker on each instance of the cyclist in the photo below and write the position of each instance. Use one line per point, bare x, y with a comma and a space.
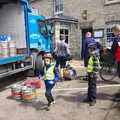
89, 40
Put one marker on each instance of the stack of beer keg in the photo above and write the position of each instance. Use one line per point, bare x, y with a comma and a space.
27, 91
7, 46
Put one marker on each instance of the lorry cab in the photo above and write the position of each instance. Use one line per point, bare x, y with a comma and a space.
39, 36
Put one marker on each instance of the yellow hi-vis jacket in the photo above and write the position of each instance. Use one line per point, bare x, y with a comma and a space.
49, 74
90, 67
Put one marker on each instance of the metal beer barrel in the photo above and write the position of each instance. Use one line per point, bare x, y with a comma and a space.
16, 92
12, 48
4, 49
29, 93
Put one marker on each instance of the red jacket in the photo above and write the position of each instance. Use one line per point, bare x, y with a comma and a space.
117, 53
116, 47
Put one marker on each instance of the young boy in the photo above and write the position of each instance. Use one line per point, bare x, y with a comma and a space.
50, 75
92, 69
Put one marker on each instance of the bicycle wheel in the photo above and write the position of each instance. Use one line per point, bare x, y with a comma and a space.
108, 72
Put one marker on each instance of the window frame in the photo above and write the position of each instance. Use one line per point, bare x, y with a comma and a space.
65, 27
45, 34
58, 4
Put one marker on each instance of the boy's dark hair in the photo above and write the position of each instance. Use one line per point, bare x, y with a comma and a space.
92, 46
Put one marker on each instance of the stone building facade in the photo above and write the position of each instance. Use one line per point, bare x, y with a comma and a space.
97, 16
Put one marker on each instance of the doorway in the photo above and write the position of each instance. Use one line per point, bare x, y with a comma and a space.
84, 30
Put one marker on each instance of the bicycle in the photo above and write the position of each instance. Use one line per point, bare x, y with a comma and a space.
108, 70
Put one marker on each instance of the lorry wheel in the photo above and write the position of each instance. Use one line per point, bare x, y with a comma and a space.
30, 73
38, 63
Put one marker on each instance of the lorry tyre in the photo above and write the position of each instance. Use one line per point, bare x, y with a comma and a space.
38, 63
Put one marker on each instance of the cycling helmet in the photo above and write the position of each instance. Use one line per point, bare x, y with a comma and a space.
92, 46
47, 55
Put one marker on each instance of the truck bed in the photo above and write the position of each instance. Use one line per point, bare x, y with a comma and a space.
11, 59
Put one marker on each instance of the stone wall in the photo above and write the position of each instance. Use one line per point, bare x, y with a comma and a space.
74, 40
97, 11
45, 7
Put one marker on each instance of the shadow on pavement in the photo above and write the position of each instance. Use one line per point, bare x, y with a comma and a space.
80, 78
38, 105
10, 98
116, 105
103, 96
80, 97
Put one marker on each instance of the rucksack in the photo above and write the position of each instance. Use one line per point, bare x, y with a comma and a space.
61, 50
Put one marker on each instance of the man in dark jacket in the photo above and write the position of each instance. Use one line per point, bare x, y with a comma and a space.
88, 40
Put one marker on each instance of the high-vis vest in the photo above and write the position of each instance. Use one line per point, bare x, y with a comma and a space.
90, 66
49, 74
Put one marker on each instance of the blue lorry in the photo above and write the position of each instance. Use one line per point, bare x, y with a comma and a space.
30, 33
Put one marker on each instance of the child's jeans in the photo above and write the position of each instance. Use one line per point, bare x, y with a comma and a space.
48, 94
92, 87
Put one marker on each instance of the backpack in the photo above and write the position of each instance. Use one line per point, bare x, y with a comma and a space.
61, 50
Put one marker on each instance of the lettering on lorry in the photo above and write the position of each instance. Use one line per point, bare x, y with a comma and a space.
34, 36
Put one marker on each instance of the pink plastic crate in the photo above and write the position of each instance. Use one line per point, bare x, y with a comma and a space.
33, 81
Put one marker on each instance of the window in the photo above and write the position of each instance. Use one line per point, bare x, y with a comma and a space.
58, 6
111, 1
109, 34
42, 28
64, 30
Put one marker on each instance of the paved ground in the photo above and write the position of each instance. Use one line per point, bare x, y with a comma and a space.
69, 106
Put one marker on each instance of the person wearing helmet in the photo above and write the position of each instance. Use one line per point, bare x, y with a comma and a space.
85, 53
92, 69
50, 76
